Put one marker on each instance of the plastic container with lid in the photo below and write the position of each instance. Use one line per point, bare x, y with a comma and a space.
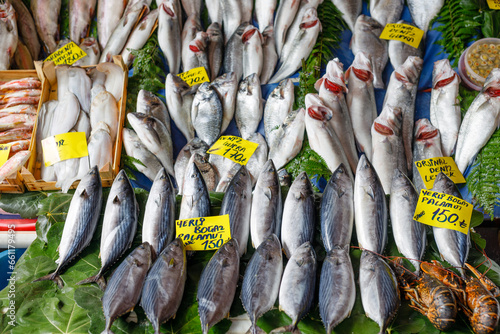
478, 60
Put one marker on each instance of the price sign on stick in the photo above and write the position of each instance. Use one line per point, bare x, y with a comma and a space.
203, 233
234, 148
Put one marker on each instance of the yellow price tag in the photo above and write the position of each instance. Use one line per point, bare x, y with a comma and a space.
203, 233
234, 148
443, 210
68, 54
494, 4
63, 147
430, 168
403, 32
4, 153
195, 76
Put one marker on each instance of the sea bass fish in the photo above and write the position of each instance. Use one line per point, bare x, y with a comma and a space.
179, 102
169, 35
194, 146
387, 11
269, 54
249, 108
139, 36
264, 13
226, 87
284, 18
289, 138
215, 49
150, 104
233, 53
136, 149
255, 164
253, 60
206, 113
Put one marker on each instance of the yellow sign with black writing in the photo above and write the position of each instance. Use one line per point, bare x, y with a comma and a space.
494, 4
195, 76
234, 148
403, 32
63, 147
68, 54
443, 210
430, 168
4, 153
203, 233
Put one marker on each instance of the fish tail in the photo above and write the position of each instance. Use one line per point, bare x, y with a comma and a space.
91, 279
285, 329
51, 277
66, 184
256, 330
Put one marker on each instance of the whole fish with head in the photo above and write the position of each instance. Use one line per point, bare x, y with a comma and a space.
119, 225
164, 286
46, 17
21, 109
100, 146
125, 285
264, 14
289, 138
233, 53
8, 34
14, 164
298, 221
249, 108
336, 213
91, 47
206, 113
284, 18
140, 36
402, 92
22, 57
258, 159
158, 226
422, 12
215, 49
81, 222
300, 47
236, 203
361, 101
27, 29
191, 27
109, 13
150, 104
81, 13
278, 105
232, 17
75, 80
114, 79
445, 108
268, 54
426, 145
197, 55
16, 121
252, 51
66, 113
195, 199
370, 208
104, 109
136, 149
262, 279
195, 145
217, 285
400, 51
169, 35
226, 87
179, 102
379, 289
267, 208
19, 84
337, 290
365, 37
387, 146
350, 11
387, 11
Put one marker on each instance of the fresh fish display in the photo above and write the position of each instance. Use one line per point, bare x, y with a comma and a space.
179, 102
16, 120
15, 134
278, 105
350, 10
231, 17
206, 113
258, 159
284, 18
253, 60
91, 47
422, 12
290, 136
229, 171
217, 285
80, 224
298, 221
114, 79
337, 211
22, 57
19, 84
262, 278
169, 35
379, 289
191, 27
125, 286
119, 225
370, 208
360, 101
214, 9
268, 54
226, 87
195, 199
236, 203
164, 285
27, 30
208, 172
400, 51
136, 149
453, 245
81, 12
402, 92
267, 207
75, 80
14, 164
215, 49
233, 53
337, 290
46, 17
387, 145
249, 108
109, 13
444, 111
139, 36
104, 109
100, 146
21, 109
195, 145
8, 34
192, 7
150, 104
387, 11
264, 14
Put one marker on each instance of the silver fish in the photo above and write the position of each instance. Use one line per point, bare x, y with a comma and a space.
386, 11
208, 172
337, 211
246, 10
81, 222
90, 46
229, 171
252, 51
197, 55
109, 13
290, 136
104, 109
236, 203
136, 149
402, 92
206, 113
445, 108
158, 226
410, 235
26, 28
191, 28
66, 114
350, 10
192, 7
262, 278
231, 17
422, 12
214, 9
119, 225
195, 145
361, 101
125, 286
179, 102
267, 208
150, 104
140, 35
114, 79
81, 12
284, 18
249, 107
46, 17
365, 38
399, 51
269, 54
259, 158
370, 208
100, 146
337, 290
169, 35
278, 105
226, 87
264, 13
164, 286
233, 53
195, 199
379, 289
215, 49
217, 285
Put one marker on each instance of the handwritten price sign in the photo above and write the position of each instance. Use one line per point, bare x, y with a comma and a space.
195, 76
430, 168
494, 4
203, 233
404, 33
68, 54
234, 148
4, 153
443, 210
63, 147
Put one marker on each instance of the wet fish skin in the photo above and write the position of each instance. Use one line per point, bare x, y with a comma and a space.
215, 49
387, 11
233, 53
365, 38
191, 27
14, 164
81, 12
423, 12
75, 80
399, 51
192, 7
109, 13
227, 176
426, 145
126, 284
337, 290
100, 146
370, 208
232, 17
249, 108
27, 28
22, 57
195, 145
337, 210
8, 34
104, 109
169, 35
139, 36
195, 198
236, 203
259, 158
350, 11
150, 104
81, 222
262, 279
264, 13
206, 113
197, 55
284, 17
252, 51
46, 15
217, 285
179, 101
208, 172
91, 47
114, 79
269, 54
298, 221
290, 136
214, 9
267, 207
164, 285
226, 87
278, 105
19, 84
67, 112
136, 149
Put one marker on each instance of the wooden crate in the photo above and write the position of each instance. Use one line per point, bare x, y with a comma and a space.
14, 184
31, 174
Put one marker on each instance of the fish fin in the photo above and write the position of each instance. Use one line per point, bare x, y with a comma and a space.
173, 317
371, 192
268, 194
67, 183
340, 192
91, 279
116, 200
285, 329
158, 200
51, 277
84, 193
